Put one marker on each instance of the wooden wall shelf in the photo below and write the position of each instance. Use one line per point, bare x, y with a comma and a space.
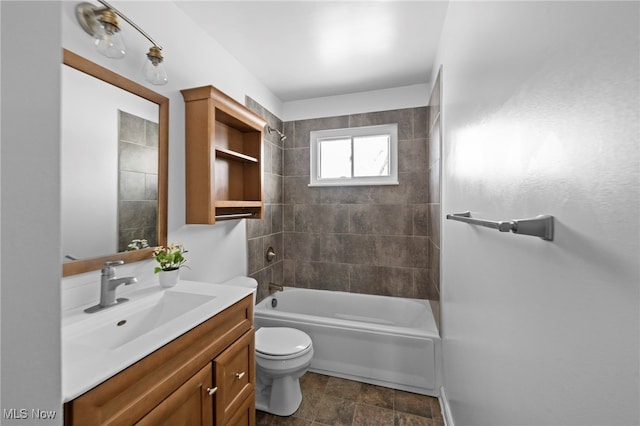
224, 156
232, 155
238, 203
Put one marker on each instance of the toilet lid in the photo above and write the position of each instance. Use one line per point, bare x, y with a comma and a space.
281, 341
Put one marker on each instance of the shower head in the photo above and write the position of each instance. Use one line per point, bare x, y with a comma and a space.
278, 132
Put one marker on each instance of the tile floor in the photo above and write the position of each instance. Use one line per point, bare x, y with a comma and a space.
333, 401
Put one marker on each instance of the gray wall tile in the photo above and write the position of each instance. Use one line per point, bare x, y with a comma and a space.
381, 280
300, 246
413, 155
379, 235
404, 118
434, 223
260, 227
304, 127
344, 194
277, 216
434, 183
288, 218
268, 232
263, 277
131, 128
296, 162
151, 134
254, 248
297, 191
131, 185
421, 217
277, 161
421, 123
410, 252
329, 218
272, 188
322, 276
267, 161
424, 288
387, 219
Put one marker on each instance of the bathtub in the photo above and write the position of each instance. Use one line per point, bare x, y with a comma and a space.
386, 341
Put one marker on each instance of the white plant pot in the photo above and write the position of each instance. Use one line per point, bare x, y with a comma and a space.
168, 279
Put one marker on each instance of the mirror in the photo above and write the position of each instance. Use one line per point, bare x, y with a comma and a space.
114, 166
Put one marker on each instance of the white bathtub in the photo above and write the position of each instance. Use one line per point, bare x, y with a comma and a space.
387, 341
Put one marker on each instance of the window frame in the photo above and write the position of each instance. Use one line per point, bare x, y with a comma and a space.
317, 136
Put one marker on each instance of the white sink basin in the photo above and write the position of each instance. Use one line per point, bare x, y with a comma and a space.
121, 324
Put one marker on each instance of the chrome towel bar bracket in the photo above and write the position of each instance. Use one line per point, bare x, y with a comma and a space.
540, 226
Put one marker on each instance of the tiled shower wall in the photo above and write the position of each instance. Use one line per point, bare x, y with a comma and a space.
137, 180
367, 239
267, 232
375, 240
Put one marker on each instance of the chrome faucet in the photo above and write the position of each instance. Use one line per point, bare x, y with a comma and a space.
273, 287
108, 285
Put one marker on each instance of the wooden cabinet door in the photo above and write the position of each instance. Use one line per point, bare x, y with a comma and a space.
234, 371
246, 414
189, 405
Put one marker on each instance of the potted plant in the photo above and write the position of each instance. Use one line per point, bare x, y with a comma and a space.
171, 259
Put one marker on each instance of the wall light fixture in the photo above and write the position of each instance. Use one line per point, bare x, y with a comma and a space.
102, 25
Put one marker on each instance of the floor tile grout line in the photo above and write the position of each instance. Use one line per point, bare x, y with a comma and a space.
323, 391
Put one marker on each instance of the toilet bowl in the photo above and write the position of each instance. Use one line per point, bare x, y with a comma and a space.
283, 355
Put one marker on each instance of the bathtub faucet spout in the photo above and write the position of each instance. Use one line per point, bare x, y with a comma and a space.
273, 287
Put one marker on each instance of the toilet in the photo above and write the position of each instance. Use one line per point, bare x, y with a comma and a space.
282, 356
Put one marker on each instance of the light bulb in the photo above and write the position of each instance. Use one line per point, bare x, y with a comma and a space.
107, 38
153, 69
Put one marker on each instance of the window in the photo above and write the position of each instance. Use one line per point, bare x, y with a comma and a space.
355, 156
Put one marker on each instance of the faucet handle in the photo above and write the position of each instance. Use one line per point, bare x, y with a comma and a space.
108, 266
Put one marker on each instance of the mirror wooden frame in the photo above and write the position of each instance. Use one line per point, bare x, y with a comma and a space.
76, 61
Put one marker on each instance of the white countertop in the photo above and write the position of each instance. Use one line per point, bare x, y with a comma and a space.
85, 365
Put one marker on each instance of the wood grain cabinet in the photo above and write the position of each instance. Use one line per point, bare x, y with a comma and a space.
204, 377
224, 157
234, 372
190, 404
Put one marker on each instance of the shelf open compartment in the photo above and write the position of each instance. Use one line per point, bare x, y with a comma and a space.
224, 165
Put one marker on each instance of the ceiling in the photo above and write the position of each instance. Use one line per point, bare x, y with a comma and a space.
309, 49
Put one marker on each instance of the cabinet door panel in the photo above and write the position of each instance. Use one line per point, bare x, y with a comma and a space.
189, 405
246, 414
234, 377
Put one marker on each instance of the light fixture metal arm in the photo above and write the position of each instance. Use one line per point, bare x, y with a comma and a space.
130, 22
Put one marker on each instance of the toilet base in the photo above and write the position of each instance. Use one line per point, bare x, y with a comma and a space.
282, 397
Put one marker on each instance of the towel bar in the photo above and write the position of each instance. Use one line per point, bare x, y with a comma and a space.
540, 226
234, 215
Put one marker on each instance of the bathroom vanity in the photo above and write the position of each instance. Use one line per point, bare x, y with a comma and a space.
198, 368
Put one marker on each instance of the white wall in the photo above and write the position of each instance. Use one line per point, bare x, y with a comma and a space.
541, 116
30, 245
